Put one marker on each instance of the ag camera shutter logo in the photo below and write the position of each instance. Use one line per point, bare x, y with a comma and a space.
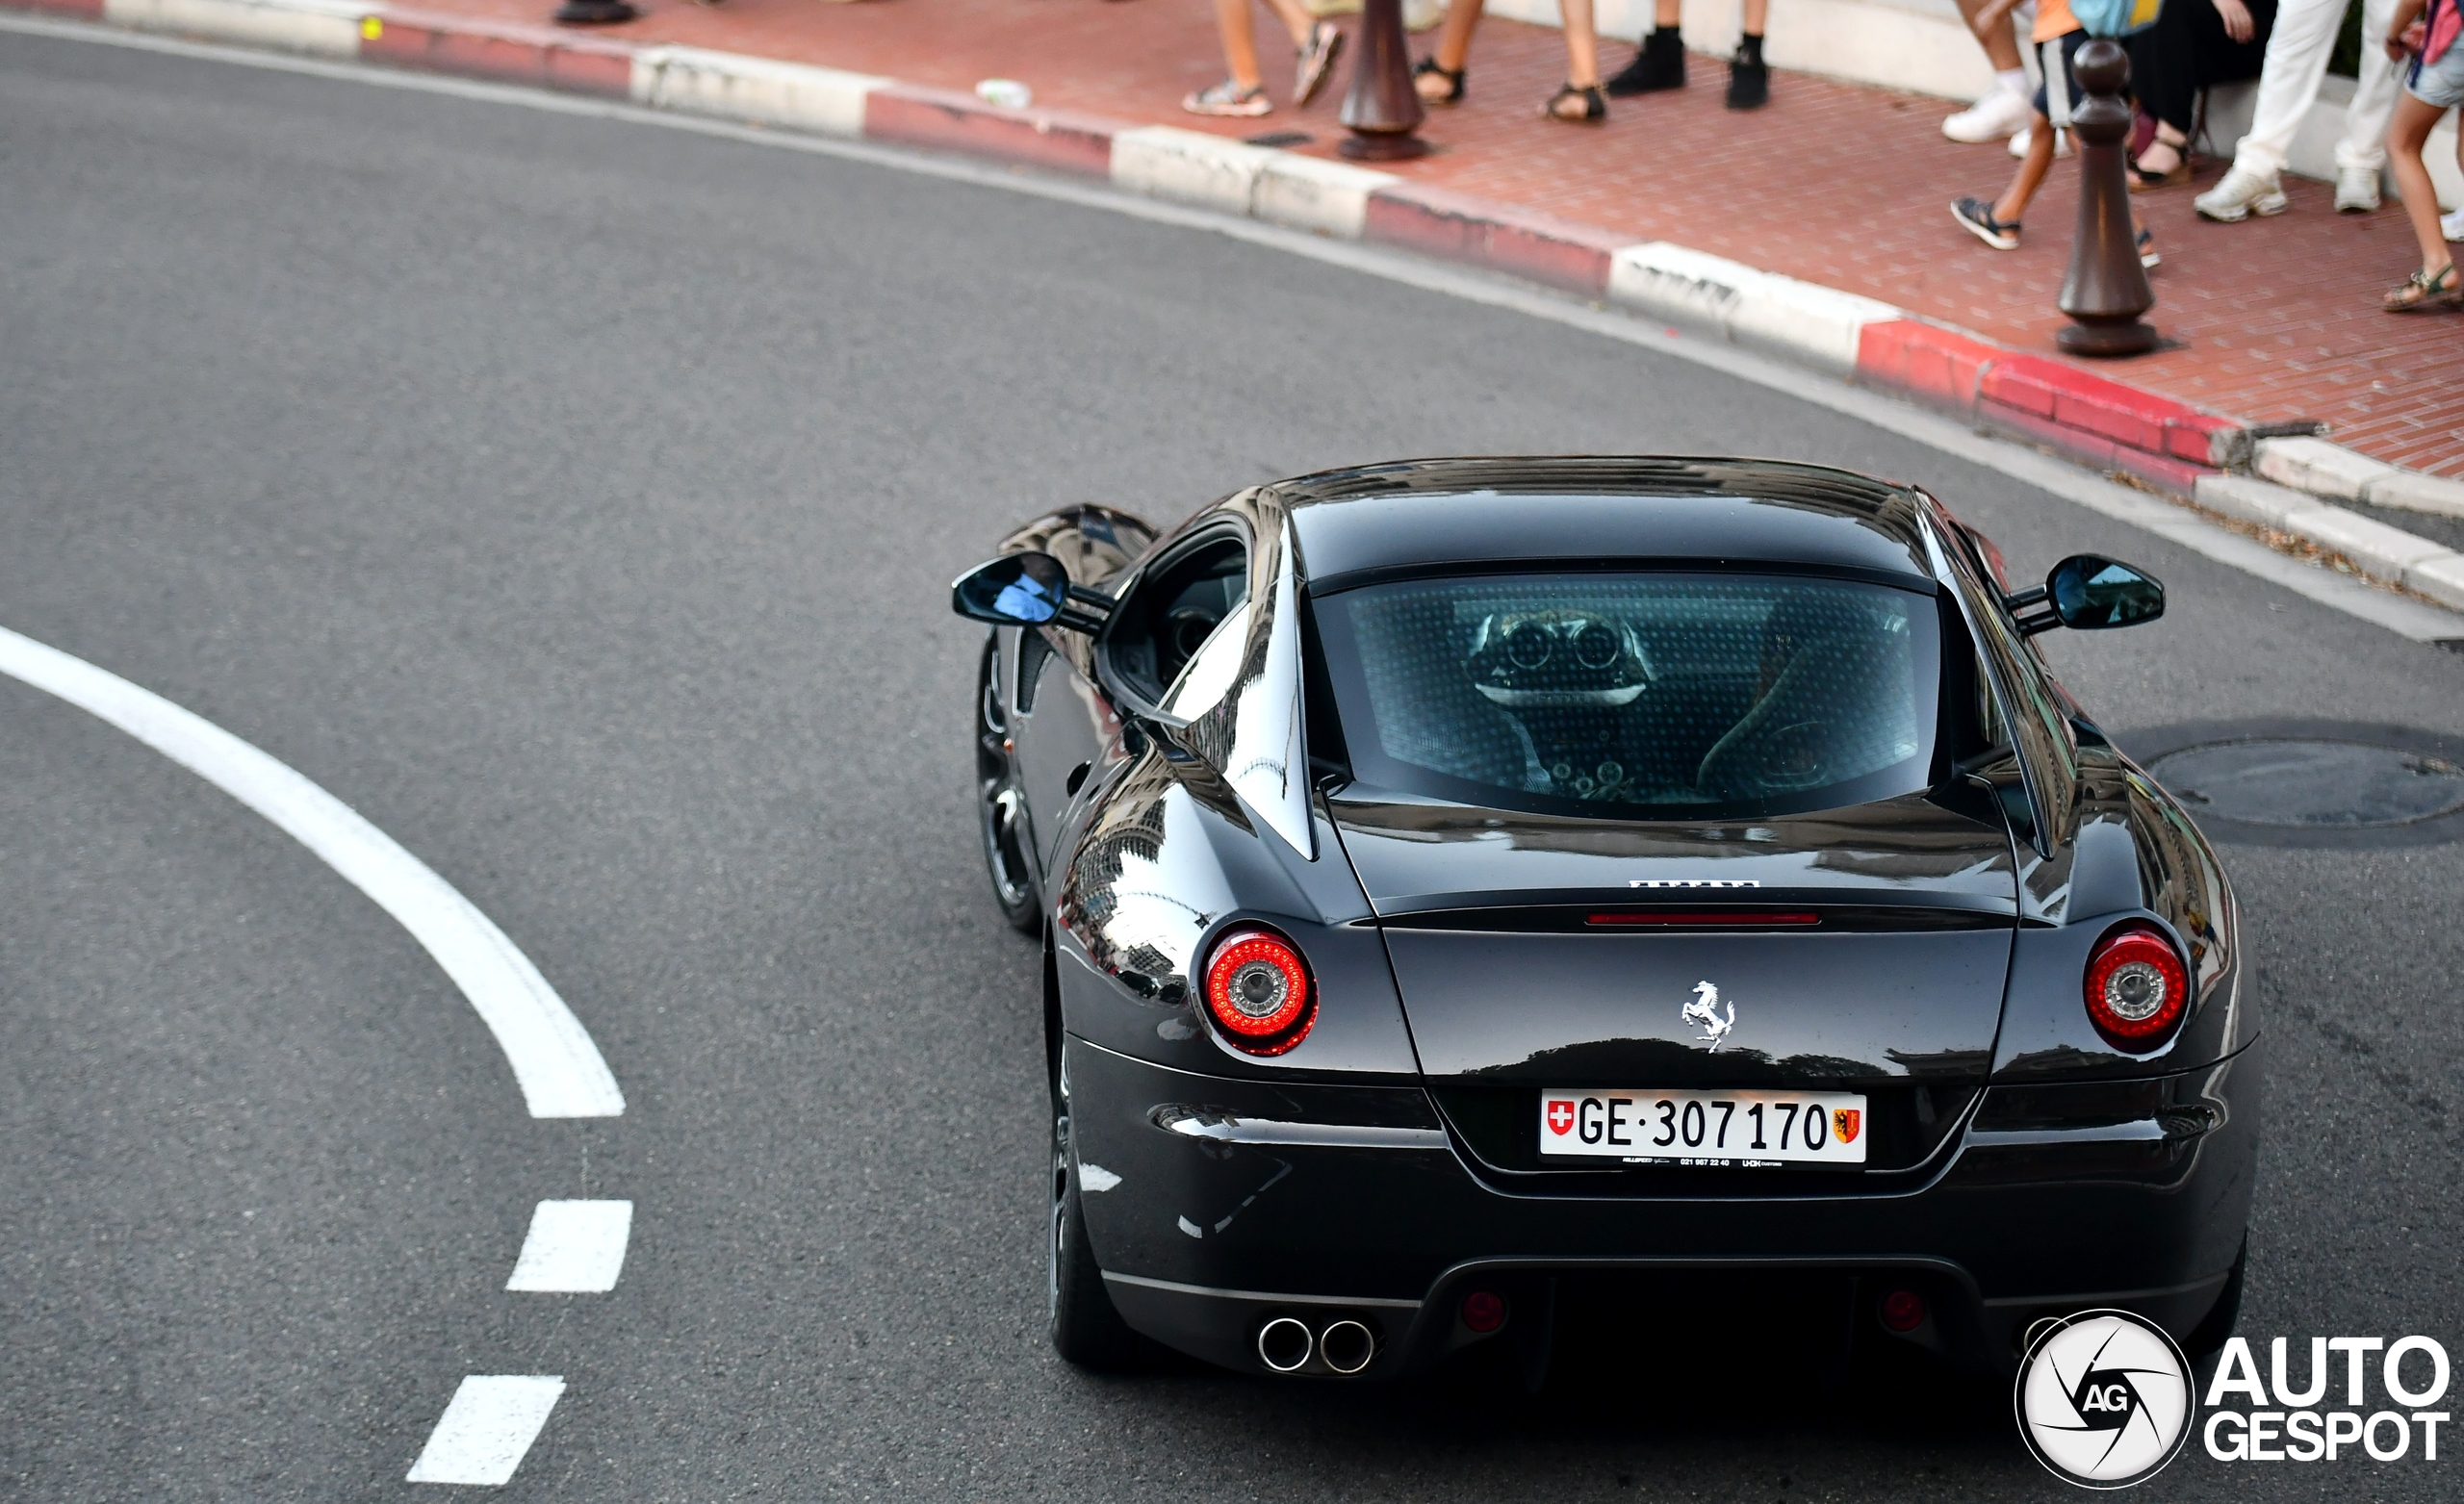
2104, 1399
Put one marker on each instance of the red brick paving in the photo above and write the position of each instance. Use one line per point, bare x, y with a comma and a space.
1835, 183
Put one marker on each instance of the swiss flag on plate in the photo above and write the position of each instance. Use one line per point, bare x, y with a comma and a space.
1561, 1117
1845, 1121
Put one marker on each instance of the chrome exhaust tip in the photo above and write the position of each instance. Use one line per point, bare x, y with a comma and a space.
1285, 1345
1346, 1346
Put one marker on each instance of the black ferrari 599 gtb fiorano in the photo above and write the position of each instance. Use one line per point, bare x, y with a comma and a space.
1462, 877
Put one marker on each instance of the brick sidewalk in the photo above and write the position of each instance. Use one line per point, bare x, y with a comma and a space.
1835, 183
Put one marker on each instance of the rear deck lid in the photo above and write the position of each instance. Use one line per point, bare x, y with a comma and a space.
1851, 947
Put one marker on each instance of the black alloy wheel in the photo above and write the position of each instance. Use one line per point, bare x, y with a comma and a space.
1001, 804
1086, 1328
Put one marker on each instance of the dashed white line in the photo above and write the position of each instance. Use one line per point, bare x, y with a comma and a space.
560, 1069
486, 1429
576, 1247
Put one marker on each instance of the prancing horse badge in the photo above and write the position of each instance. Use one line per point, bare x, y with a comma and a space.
1705, 1011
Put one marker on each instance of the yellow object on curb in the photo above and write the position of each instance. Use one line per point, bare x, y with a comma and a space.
370, 27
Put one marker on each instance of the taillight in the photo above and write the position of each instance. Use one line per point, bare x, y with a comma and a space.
1485, 1310
1903, 1311
1257, 987
2135, 987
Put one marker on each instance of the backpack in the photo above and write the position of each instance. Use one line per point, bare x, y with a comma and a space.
2116, 18
2445, 24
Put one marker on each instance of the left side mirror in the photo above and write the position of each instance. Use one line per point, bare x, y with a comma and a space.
2090, 593
1024, 589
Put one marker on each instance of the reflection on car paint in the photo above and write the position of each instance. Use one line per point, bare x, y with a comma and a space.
1144, 884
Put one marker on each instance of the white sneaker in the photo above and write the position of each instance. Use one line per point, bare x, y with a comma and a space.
2452, 225
2061, 142
2356, 190
2239, 196
1991, 118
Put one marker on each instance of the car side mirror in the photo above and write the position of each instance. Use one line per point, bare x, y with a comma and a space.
2090, 593
1027, 589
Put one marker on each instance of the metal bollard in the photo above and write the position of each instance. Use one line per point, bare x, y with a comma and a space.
2106, 289
1382, 110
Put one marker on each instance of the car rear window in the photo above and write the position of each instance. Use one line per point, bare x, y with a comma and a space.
1639, 695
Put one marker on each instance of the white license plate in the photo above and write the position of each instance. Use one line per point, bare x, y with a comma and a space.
1746, 1129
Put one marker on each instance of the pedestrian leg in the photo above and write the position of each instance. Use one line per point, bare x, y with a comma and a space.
2434, 285
1439, 77
1749, 76
2361, 152
2296, 61
1580, 101
1659, 62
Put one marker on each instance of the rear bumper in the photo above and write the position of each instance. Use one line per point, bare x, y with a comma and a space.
1228, 1203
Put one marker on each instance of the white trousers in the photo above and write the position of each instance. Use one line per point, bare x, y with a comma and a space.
2296, 60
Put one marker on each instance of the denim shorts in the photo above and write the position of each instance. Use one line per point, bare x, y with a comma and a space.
2440, 83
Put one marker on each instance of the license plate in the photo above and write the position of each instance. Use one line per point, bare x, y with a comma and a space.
1745, 1129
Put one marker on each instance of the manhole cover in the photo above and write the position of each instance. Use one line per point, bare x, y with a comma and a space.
2310, 783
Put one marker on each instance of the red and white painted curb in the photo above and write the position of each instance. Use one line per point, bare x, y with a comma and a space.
2112, 426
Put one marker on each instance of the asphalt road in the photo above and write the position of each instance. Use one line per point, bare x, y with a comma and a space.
577, 500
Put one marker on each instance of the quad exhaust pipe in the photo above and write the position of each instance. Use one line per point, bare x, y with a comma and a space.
1345, 1345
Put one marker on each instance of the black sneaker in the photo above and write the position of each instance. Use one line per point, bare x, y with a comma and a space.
1749, 84
1659, 64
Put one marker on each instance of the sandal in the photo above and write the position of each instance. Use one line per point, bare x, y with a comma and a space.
1595, 104
1317, 62
1431, 67
2146, 244
2424, 289
1229, 99
2143, 181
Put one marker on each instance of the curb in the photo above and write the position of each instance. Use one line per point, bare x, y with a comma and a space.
2160, 443
2339, 475
2389, 555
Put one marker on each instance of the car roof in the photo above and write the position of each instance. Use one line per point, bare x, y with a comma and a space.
1354, 527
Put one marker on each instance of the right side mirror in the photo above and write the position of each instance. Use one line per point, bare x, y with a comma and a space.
2087, 592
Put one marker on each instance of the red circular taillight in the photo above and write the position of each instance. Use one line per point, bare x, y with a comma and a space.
1485, 1310
1903, 1311
2135, 987
1257, 987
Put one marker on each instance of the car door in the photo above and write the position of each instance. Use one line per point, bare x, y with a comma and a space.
1063, 724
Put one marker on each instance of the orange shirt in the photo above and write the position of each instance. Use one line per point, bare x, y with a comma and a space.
2053, 19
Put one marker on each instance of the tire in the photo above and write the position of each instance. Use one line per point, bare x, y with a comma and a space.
2217, 1327
1001, 807
1086, 1328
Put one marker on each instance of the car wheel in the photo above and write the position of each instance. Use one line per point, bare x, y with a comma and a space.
1085, 1329
1001, 804
2213, 1333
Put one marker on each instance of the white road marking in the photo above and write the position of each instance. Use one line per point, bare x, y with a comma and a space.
487, 1427
558, 1067
574, 1246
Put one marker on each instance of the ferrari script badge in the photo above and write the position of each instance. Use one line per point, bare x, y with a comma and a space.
1705, 1011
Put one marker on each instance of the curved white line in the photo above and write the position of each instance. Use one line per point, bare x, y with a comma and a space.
551, 1054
